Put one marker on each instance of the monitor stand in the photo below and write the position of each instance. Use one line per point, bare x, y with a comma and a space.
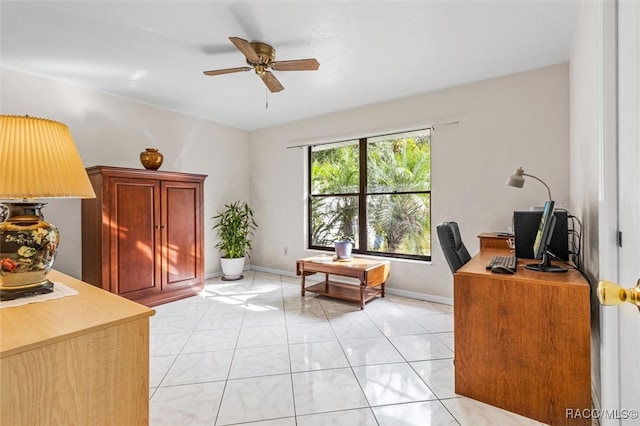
545, 265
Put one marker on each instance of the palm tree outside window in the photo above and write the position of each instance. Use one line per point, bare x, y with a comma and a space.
376, 191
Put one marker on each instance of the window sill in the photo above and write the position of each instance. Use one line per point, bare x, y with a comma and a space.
372, 257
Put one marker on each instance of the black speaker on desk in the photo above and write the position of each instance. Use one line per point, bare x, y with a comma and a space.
525, 228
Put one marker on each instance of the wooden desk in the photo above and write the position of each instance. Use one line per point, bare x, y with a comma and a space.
78, 360
371, 273
522, 341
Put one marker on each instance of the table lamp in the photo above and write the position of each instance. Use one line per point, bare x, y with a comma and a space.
38, 160
517, 180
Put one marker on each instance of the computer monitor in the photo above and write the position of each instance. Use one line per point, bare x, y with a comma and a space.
543, 238
525, 229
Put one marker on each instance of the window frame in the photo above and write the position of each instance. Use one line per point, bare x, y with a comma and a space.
362, 196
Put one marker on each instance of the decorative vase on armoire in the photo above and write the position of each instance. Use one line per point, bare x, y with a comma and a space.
151, 158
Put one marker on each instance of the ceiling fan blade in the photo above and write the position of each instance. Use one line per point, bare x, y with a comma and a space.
271, 81
245, 47
296, 65
226, 71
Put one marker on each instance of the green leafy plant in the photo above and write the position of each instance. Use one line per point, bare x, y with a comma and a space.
234, 226
344, 238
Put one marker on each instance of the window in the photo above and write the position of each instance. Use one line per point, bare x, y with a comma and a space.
376, 191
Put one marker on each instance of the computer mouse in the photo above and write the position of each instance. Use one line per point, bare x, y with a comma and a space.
501, 270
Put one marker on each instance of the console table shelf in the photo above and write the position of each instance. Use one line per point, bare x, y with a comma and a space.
343, 291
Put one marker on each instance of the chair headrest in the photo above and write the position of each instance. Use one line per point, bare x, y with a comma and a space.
449, 234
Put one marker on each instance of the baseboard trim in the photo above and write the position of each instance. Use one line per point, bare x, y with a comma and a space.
273, 271
420, 296
213, 275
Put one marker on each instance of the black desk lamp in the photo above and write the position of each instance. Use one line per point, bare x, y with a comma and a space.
517, 180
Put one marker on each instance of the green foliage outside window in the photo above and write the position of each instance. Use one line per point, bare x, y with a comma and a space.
382, 201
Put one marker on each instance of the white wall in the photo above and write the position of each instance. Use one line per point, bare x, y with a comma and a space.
586, 105
111, 130
516, 120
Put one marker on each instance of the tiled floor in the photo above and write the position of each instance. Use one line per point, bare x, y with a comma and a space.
255, 352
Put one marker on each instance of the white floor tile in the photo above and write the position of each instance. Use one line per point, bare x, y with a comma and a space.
212, 340
419, 347
370, 351
179, 323
257, 398
446, 338
359, 417
327, 390
394, 326
260, 361
392, 384
438, 374
307, 315
317, 356
267, 318
428, 413
436, 323
199, 367
310, 333
293, 300
469, 412
251, 337
158, 367
213, 320
230, 303
285, 421
355, 329
254, 352
167, 343
186, 405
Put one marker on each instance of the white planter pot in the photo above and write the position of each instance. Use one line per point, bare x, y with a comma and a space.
343, 249
232, 268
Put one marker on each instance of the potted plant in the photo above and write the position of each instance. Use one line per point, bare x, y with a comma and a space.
234, 226
343, 246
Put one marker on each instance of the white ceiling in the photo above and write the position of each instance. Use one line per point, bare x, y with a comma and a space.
369, 51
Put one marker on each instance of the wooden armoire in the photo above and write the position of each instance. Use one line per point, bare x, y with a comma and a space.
142, 236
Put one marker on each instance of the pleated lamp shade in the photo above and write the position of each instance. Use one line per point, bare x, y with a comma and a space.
38, 159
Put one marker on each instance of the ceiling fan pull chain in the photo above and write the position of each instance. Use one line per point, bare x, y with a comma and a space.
266, 98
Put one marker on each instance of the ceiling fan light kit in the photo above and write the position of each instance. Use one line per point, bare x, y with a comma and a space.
261, 58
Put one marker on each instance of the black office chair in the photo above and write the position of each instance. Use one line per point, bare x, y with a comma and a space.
452, 246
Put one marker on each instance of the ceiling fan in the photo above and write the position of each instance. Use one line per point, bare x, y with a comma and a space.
261, 58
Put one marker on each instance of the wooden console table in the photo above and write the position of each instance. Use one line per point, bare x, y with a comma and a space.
371, 273
78, 360
491, 240
522, 341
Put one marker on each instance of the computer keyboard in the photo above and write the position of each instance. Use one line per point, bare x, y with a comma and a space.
508, 262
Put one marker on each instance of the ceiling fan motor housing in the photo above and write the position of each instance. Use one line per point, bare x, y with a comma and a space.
265, 52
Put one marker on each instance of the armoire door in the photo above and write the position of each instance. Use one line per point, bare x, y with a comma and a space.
181, 234
134, 236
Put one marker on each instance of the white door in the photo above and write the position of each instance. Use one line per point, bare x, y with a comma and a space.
620, 210
629, 205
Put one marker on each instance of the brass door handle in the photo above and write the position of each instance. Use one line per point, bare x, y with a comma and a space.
612, 294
